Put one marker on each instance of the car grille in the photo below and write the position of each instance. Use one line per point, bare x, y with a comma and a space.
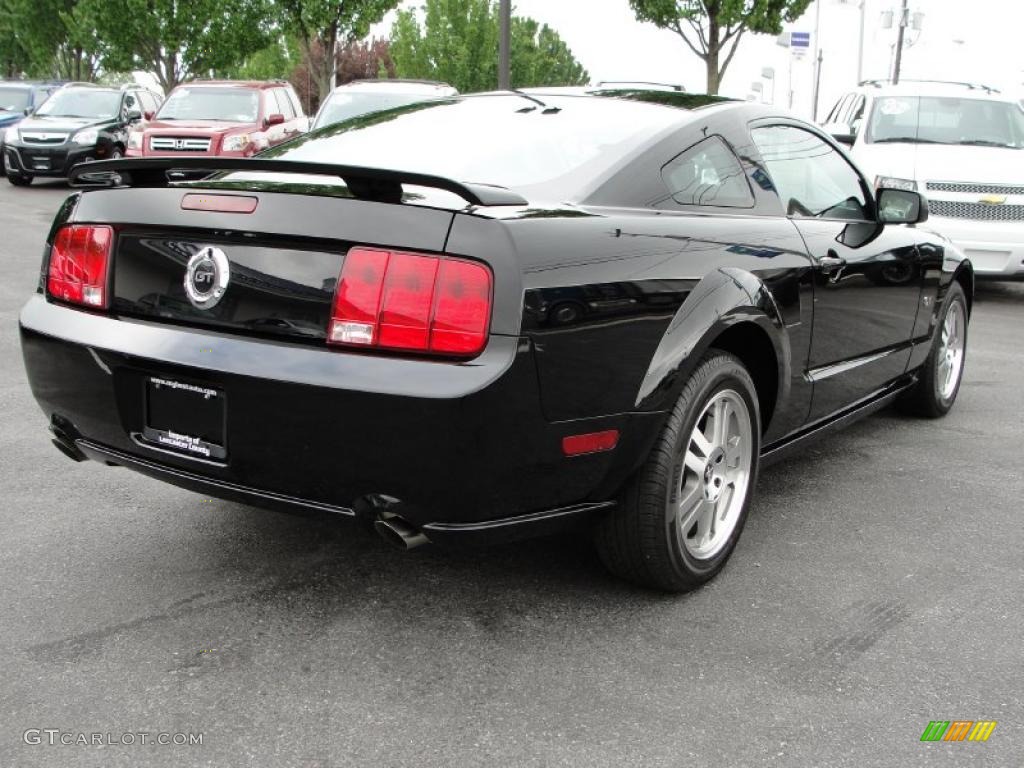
174, 144
44, 138
975, 189
976, 211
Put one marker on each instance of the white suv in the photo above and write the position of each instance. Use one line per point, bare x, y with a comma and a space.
962, 145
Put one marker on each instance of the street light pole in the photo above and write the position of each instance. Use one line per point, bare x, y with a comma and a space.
860, 44
904, 14
505, 46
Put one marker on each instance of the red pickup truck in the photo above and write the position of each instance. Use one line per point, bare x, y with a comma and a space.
221, 117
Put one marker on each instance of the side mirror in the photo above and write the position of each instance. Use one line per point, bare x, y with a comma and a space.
28, 111
901, 206
133, 115
844, 134
275, 119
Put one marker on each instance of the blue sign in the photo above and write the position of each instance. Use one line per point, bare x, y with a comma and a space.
800, 39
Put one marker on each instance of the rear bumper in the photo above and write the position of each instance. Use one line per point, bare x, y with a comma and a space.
996, 249
463, 447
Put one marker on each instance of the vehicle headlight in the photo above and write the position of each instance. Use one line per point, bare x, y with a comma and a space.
89, 136
135, 140
236, 143
891, 182
11, 135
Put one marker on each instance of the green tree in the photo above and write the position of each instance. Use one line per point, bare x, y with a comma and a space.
457, 42
323, 25
713, 28
43, 38
278, 60
176, 40
14, 58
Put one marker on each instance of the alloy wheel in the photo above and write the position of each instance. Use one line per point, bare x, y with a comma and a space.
715, 475
949, 359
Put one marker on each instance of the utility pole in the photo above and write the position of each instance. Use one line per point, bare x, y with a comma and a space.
817, 59
505, 46
904, 16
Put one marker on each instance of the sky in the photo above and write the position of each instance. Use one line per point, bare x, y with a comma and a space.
983, 46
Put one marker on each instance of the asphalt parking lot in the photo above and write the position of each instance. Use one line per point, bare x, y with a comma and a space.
877, 587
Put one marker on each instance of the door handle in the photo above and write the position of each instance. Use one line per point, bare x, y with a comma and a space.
831, 262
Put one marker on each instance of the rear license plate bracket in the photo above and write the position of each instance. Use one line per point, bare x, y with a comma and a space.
190, 419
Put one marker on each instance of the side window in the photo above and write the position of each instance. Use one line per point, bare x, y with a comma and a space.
130, 102
812, 179
708, 173
857, 112
149, 102
284, 106
837, 110
294, 99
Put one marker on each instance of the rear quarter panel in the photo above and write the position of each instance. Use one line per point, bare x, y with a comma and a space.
619, 304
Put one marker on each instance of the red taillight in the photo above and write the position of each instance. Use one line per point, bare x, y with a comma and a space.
411, 301
79, 260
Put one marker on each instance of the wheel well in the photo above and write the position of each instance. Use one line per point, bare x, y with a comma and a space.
966, 279
754, 348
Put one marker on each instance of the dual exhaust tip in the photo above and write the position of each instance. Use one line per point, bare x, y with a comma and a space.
399, 533
393, 529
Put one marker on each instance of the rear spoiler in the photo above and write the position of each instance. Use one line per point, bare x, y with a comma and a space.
372, 183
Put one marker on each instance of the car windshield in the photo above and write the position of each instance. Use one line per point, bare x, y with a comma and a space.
947, 120
81, 102
511, 141
14, 99
233, 105
343, 106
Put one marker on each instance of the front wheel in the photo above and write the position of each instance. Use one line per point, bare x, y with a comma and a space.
939, 381
678, 520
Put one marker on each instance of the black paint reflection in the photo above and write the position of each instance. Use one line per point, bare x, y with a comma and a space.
276, 291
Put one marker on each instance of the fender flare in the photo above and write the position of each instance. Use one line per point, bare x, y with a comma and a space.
723, 299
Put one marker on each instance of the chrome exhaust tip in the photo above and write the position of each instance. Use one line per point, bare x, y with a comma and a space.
398, 533
66, 445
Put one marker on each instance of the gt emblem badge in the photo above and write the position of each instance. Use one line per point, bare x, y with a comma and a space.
206, 277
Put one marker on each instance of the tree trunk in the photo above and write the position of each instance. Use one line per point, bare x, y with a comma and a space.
711, 59
714, 79
325, 75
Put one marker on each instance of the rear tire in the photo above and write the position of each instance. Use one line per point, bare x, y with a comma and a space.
939, 381
679, 518
18, 179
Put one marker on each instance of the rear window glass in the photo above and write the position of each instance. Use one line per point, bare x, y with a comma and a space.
505, 140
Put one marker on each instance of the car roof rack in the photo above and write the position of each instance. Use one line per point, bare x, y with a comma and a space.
671, 86
970, 86
396, 80
367, 183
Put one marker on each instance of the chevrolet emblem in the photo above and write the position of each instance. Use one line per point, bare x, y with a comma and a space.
993, 200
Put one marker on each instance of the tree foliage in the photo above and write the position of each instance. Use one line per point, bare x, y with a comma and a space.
321, 25
278, 60
46, 38
176, 40
457, 42
713, 28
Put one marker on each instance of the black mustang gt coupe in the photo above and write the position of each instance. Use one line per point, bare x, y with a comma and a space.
496, 316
